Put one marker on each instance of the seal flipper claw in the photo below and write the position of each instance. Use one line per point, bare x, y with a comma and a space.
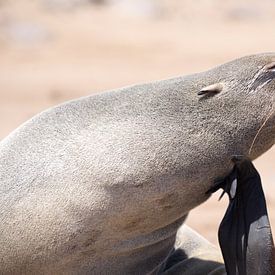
223, 183
237, 158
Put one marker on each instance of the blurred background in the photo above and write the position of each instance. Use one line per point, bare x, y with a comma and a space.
55, 50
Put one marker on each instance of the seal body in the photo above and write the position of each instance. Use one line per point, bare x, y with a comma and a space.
101, 184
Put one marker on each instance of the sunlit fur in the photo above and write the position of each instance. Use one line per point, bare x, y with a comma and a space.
100, 185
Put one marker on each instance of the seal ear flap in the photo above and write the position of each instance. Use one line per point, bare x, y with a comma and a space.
211, 89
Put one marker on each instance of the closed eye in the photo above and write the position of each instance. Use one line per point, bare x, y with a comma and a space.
263, 77
270, 67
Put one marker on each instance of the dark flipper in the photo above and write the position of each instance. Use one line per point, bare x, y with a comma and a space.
244, 234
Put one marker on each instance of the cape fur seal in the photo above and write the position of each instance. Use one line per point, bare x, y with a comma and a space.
101, 184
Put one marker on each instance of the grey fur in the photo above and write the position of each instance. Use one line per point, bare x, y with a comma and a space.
101, 184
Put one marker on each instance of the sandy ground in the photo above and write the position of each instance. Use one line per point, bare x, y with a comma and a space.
52, 51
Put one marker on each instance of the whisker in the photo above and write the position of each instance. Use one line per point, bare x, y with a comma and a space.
260, 129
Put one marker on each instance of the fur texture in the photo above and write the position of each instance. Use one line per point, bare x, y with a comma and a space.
102, 183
